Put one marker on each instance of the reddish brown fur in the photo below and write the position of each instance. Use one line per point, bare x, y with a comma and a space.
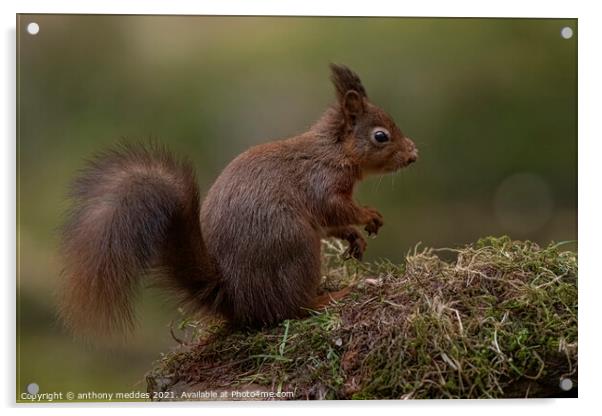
257, 259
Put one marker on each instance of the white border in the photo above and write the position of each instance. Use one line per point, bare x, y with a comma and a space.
590, 207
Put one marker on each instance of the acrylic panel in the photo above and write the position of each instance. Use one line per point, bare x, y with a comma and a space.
400, 225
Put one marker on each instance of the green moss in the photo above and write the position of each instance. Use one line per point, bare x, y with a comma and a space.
500, 320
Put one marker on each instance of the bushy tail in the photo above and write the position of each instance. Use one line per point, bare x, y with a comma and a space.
135, 210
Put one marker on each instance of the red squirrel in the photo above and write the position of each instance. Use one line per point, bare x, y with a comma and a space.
251, 252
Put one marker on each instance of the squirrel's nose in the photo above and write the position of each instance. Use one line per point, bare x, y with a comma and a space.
412, 151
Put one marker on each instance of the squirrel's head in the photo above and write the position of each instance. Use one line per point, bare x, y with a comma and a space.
369, 134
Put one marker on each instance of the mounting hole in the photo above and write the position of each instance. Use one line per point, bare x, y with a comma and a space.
566, 384
33, 388
33, 28
566, 32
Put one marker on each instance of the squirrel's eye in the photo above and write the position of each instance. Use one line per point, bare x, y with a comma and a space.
381, 136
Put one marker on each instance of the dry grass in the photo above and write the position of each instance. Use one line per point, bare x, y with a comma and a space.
498, 321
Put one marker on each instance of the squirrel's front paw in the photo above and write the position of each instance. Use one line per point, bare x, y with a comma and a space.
357, 245
374, 222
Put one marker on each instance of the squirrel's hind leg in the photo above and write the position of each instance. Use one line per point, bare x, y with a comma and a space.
327, 298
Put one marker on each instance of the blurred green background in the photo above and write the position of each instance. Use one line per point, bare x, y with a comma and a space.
491, 104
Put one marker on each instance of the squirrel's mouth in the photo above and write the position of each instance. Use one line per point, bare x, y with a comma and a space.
399, 161
409, 161
402, 161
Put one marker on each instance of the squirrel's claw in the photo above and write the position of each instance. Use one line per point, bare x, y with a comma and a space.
357, 245
375, 221
373, 226
356, 249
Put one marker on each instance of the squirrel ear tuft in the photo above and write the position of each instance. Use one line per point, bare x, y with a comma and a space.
345, 80
353, 104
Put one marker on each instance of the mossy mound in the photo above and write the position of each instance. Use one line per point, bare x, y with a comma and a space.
499, 320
